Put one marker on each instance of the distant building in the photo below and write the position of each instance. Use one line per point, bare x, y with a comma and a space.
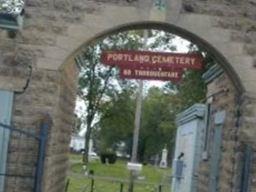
77, 144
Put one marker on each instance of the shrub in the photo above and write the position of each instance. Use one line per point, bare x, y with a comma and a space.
109, 157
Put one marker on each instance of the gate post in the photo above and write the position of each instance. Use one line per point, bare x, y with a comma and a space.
44, 127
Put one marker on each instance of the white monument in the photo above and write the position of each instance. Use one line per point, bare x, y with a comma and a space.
163, 162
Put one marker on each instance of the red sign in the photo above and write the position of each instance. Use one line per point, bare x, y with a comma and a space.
156, 59
163, 74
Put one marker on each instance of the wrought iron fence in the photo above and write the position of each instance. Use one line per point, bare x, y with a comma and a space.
106, 184
25, 157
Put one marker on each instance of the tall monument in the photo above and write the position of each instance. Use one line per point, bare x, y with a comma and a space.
163, 162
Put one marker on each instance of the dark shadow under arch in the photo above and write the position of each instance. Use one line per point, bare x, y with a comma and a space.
204, 45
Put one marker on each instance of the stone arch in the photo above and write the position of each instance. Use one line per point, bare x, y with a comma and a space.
199, 29
54, 30
219, 55
219, 50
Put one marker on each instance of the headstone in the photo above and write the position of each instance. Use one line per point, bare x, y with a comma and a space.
163, 162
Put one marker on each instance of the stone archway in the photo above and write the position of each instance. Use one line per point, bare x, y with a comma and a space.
229, 81
54, 32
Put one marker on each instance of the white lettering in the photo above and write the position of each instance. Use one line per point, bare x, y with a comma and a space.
193, 61
109, 56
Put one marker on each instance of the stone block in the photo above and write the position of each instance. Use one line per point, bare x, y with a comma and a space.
54, 32
49, 63
188, 21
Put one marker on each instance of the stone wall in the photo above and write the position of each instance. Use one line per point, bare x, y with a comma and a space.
55, 31
40, 90
53, 93
58, 147
47, 92
247, 120
237, 17
39, 98
223, 96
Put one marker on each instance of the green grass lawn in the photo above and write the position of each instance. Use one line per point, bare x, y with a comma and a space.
108, 178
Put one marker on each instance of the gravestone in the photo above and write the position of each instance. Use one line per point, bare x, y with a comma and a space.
163, 162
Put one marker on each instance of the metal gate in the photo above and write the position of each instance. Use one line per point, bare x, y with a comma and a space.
26, 154
219, 119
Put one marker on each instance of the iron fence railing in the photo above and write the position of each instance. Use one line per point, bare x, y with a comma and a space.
109, 184
26, 154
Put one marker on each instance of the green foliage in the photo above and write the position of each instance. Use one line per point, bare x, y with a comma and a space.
94, 82
11, 6
157, 123
192, 89
98, 83
108, 157
112, 100
119, 171
160, 107
116, 120
157, 129
109, 177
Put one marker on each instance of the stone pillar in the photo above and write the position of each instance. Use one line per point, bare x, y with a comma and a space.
222, 96
188, 148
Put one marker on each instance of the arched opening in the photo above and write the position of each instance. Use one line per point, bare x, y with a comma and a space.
219, 91
202, 43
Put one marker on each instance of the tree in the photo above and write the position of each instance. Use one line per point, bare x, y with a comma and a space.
94, 81
98, 83
159, 112
11, 6
192, 89
117, 118
77, 125
157, 129
158, 123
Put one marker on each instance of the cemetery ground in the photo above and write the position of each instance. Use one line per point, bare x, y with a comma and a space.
115, 177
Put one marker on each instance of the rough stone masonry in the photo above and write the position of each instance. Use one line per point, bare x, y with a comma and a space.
42, 56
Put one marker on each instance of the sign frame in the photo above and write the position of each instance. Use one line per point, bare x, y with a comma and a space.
154, 59
160, 74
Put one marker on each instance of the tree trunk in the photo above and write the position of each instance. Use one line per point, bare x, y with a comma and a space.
87, 140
